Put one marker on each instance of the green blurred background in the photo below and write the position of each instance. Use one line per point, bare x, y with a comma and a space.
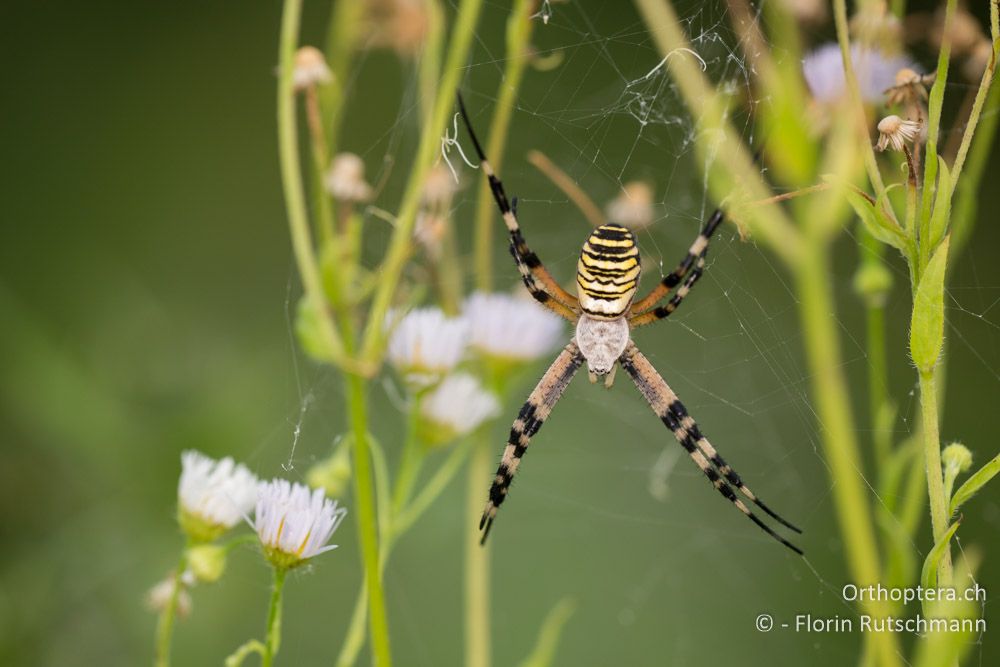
146, 286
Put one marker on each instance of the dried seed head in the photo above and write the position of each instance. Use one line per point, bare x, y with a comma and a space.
894, 131
633, 207
910, 87
310, 68
439, 187
429, 231
401, 25
345, 179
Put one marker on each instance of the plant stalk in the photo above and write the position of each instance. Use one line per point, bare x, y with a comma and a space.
477, 560
165, 625
932, 462
364, 500
838, 432
273, 638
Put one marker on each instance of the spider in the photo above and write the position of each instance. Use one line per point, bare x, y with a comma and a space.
605, 311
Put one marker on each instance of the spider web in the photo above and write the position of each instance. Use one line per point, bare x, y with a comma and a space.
608, 113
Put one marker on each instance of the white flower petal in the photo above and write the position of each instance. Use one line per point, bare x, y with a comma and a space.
219, 492
502, 325
295, 520
426, 344
460, 403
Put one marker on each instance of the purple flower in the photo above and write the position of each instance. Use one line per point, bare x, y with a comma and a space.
824, 72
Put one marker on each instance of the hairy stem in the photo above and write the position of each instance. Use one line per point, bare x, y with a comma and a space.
932, 462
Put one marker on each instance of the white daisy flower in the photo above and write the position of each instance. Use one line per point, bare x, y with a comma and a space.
213, 495
511, 329
294, 522
426, 344
823, 70
310, 68
455, 408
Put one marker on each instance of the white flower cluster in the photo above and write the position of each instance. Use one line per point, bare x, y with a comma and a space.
426, 346
294, 522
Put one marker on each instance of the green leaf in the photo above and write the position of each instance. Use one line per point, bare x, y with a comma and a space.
873, 217
942, 205
927, 324
548, 637
974, 483
929, 573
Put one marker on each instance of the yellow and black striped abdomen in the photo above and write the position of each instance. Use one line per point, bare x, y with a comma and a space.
608, 272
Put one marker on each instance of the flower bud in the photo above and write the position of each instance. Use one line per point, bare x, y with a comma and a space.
207, 562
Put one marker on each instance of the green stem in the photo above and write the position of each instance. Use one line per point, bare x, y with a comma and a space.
932, 461
519, 28
409, 466
401, 242
431, 490
401, 522
272, 640
854, 90
967, 190
364, 501
477, 560
165, 625
934, 104
737, 172
294, 192
838, 432
429, 67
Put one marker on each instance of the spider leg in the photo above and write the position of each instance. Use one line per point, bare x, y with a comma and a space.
540, 283
688, 423
697, 251
660, 312
666, 406
531, 417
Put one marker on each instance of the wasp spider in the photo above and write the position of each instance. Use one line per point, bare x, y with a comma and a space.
604, 312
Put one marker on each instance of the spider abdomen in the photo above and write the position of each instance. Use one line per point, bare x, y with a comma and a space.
608, 272
601, 341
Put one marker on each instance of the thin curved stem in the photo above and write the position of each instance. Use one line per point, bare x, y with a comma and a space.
291, 181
